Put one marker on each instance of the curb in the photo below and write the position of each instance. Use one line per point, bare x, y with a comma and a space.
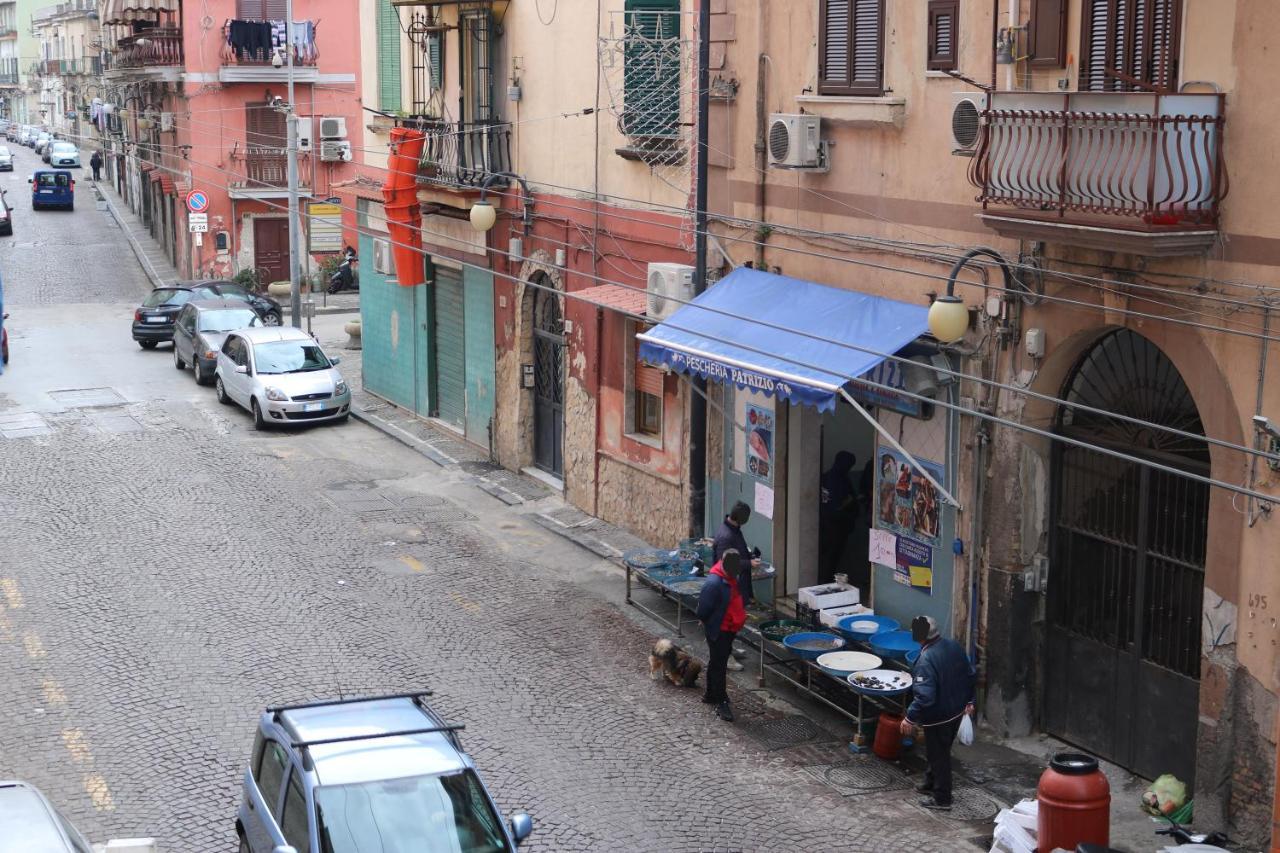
400, 435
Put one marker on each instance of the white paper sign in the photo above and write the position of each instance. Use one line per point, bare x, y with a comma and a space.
883, 548
764, 500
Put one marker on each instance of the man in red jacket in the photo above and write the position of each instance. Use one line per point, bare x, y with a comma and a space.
722, 613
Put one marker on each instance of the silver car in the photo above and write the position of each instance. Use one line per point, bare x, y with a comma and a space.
201, 329
6, 159
281, 375
29, 822
63, 154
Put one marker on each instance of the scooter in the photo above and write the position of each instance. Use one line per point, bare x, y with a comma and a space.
343, 277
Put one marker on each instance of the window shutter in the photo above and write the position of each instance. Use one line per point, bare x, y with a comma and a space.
435, 61
1047, 33
851, 47
261, 10
389, 84
944, 34
1134, 37
274, 10
651, 74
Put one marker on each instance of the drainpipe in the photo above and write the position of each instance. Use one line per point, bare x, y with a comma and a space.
595, 450
698, 403
762, 121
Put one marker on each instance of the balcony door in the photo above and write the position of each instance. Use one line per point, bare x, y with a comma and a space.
266, 138
1128, 45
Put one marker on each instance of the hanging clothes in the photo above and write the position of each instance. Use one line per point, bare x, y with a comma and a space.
304, 42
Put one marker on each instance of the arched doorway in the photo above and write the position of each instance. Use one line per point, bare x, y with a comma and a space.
1126, 575
548, 372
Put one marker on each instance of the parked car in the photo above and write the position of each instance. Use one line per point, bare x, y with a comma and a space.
6, 159
62, 154
26, 136
153, 319
200, 330
269, 309
52, 188
43, 138
29, 822
384, 773
6, 214
281, 375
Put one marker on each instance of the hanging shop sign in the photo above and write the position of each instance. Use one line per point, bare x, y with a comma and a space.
906, 503
760, 438
886, 375
324, 227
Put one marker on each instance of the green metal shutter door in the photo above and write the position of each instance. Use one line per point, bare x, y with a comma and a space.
451, 367
651, 76
388, 57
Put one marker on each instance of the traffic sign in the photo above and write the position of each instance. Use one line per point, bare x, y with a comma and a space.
197, 201
198, 223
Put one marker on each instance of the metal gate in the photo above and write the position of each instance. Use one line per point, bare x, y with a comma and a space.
450, 348
548, 371
1126, 579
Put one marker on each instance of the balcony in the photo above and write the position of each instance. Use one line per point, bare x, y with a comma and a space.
1116, 171
155, 53
9, 72
265, 171
241, 65
460, 155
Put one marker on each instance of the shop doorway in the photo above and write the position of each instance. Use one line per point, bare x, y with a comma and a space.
1126, 579
450, 346
271, 248
548, 371
843, 496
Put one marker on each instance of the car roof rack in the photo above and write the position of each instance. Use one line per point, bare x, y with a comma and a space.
451, 727
415, 695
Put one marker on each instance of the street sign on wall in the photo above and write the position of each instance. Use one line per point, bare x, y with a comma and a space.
197, 201
324, 229
198, 223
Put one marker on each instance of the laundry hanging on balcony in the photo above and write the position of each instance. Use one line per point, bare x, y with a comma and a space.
260, 42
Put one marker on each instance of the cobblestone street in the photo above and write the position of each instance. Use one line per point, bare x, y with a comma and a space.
167, 572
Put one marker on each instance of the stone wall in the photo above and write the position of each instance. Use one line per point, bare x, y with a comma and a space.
650, 507
579, 443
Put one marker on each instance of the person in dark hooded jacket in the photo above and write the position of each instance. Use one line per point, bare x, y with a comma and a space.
837, 513
942, 694
730, 536
722, 614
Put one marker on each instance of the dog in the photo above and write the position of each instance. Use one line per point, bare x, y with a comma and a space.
667, 660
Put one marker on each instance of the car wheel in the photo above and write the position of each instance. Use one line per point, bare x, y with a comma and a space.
147, 344
273, 318
259, 422
177, 359
200, 378
221, 392
244, 845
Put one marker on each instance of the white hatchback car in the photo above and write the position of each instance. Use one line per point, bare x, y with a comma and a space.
282, 376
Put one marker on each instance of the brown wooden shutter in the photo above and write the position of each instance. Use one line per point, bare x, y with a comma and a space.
261, 10
851, 47
1047, 33
1137, 38
944, 34
648, 379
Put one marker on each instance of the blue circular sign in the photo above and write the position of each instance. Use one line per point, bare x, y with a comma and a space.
197, 201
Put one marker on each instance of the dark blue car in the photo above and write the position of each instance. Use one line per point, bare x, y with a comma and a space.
52, 188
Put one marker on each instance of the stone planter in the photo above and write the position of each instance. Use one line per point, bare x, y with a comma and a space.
280, 289
352, 328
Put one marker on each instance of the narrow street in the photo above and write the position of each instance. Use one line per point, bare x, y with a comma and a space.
168, 572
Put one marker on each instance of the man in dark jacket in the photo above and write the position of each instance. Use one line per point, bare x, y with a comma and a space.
942, 694
95, 163
730, 536
722, 614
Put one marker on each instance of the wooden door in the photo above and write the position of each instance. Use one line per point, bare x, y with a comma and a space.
271, 249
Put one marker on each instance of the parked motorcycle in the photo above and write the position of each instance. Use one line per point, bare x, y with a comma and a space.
344, 277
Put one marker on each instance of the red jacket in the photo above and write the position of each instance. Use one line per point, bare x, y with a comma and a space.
735, 615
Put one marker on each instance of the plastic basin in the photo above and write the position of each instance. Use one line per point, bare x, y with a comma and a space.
867, 627
812, 644
775, 630
841, 665
894, 645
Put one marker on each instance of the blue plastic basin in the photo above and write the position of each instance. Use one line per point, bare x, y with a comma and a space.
882, 623
821, 640
894, 644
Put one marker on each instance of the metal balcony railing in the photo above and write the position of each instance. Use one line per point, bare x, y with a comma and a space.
9, 72
1146, 162
266, 167
159, 46
461, 154
305, 54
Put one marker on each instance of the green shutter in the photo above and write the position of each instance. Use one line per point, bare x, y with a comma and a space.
651, 77
435, 61
450, 349
388, 57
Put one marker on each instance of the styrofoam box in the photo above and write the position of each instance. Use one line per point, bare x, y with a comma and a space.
846, 596
832, 616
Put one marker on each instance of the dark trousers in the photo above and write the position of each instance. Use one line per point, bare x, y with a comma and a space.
96, 171
937, 749
718, 666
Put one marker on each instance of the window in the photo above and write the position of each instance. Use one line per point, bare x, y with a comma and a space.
851, 47
1047, 33
646, 384
475, 37
260, 10
651, 72
294, 822
944, 34
389, 86
426, 63
271, 774
1134, 38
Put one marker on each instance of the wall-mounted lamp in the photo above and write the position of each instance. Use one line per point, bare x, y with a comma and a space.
483, 214
948, 315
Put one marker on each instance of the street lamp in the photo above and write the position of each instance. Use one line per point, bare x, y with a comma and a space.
948, 315
484, 215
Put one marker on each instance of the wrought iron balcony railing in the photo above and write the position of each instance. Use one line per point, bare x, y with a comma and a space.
1124, 160
460, 155
155, 47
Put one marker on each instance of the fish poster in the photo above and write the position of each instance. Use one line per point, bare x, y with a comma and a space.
760, 438
906, 503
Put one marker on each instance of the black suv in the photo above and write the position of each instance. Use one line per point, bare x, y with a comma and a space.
153, 319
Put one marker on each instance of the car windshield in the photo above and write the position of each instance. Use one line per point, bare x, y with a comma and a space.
437, 813
227, 320
289, 357
66, 147
166, 296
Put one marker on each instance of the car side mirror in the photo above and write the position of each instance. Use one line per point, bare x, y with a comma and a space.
336, 360
242, 368
521, 827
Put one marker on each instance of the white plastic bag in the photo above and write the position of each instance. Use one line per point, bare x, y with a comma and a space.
966, 730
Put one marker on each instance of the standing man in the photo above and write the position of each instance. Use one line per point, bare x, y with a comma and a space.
95, 163
722, 614
730, 536
837, 512
943, 693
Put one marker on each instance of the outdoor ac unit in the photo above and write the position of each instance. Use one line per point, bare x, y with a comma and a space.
669, 286
966, 122
304, 134
166, 122
335, 151
382, 261
794, 141
333, 127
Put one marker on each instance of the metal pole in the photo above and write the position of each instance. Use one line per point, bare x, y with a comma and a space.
295, 225
698, 402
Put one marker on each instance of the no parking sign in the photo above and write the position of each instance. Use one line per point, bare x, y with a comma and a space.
197, 201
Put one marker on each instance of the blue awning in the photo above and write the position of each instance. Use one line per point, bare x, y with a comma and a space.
782, 336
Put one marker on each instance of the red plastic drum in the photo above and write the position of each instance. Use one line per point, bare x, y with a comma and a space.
888, 742
1075, 803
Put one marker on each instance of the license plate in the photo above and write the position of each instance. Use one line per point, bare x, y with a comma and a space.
312, 407
46, 192
155, 319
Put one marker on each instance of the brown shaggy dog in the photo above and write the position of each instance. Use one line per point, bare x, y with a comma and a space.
667, 660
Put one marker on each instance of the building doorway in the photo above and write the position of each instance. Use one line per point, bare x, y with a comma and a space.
271, 248
450, 348
1126, 580
548, 371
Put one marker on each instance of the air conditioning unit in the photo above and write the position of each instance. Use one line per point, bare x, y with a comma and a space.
966, 122
335, 151
304, 134
794, 141
333, 127
382, 261
670, 286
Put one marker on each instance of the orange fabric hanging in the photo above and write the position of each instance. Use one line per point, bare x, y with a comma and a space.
403, 213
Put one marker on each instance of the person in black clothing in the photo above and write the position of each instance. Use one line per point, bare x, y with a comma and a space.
837, 512
943, 693
95, 163
722, 614
730, 536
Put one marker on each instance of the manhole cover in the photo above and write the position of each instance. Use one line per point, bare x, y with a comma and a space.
22, 425
82, 397
860, 777
788, 731
970, 804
